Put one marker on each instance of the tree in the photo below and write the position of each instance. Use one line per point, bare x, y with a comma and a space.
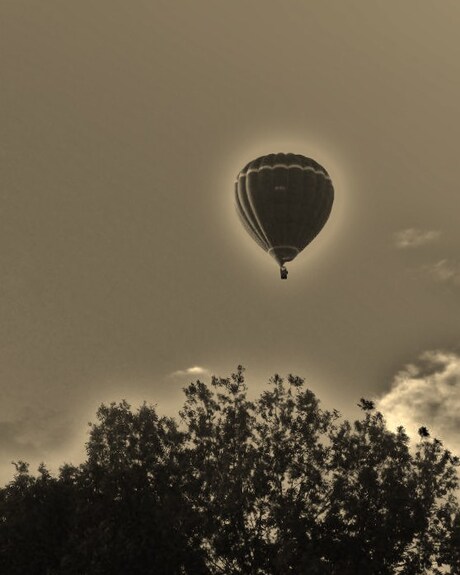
131, 515
123, 511
35, 514
283, 487
264, 487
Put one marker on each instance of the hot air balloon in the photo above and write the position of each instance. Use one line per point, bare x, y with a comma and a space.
283, 201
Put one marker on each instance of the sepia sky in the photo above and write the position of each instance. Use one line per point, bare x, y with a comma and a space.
125, 272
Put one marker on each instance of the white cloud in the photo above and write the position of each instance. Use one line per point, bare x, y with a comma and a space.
194, 370
444, 271
427, 392
412, 237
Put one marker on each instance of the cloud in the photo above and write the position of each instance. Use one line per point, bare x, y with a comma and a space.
427, 392
413, 238
13, 439
195, 370
34, 430
444, 271
34, 435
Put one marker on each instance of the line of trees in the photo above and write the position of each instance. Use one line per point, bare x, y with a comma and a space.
266, 487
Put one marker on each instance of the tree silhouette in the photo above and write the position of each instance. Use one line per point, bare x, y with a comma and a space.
264, 487
423, 432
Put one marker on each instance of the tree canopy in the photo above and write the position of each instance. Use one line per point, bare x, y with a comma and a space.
266, 487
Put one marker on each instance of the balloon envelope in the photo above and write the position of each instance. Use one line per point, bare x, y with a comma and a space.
283, 201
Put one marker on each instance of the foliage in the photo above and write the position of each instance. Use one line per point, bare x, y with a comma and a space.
266, 487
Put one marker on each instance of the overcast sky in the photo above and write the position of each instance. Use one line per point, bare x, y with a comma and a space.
125, 272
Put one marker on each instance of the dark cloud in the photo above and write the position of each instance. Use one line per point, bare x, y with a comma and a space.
11, 438
34, 436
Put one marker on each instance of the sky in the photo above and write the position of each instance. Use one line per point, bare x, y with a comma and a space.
125, 272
